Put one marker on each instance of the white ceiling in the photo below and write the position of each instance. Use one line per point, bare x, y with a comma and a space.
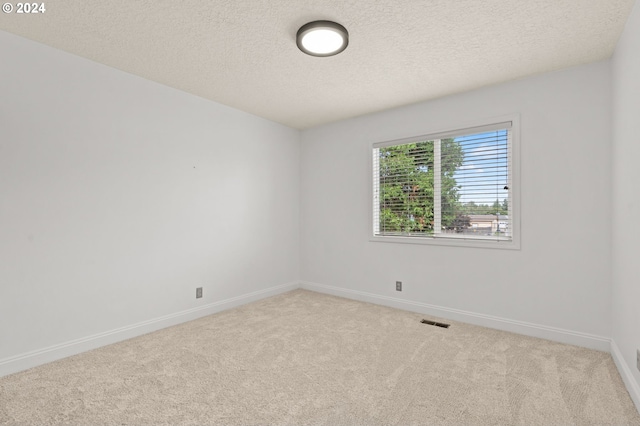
242, 53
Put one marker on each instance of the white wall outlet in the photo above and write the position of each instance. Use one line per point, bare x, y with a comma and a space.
398, 285
198, 292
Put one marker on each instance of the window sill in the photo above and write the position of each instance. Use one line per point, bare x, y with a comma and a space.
489, 242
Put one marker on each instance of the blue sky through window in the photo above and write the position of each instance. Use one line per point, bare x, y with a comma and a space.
484, 172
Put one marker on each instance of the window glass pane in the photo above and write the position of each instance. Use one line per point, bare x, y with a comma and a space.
450, 187
406, 189
475, 190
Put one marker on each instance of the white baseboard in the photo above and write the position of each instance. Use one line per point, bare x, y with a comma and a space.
52, 353
42, 356
627, 375
528, 329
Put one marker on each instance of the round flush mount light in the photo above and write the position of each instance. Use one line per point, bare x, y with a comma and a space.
322, 38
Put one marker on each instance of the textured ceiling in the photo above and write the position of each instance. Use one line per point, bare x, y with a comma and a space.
242, 53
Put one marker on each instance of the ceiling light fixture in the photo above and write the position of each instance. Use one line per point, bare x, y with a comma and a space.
322, 38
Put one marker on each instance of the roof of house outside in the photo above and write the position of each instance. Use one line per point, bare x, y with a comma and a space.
486, 217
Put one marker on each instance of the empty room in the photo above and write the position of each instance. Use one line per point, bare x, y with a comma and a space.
319, 212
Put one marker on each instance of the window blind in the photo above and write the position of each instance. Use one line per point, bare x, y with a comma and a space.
447, 185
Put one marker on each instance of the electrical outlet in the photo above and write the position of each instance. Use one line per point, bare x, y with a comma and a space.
398, 285
198, 292
638, 358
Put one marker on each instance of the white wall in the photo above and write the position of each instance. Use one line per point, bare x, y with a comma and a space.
119, 196
560, 279
626, 206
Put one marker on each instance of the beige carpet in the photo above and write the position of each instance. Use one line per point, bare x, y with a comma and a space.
308, 358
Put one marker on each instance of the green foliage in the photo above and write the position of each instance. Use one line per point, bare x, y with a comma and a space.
461, 222
406, 186
479, 209
452, 158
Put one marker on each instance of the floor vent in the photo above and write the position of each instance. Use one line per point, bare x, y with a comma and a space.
436, 323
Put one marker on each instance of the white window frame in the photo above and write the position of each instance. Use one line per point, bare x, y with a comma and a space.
453, 240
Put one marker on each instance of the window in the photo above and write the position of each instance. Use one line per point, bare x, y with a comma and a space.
456, 188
